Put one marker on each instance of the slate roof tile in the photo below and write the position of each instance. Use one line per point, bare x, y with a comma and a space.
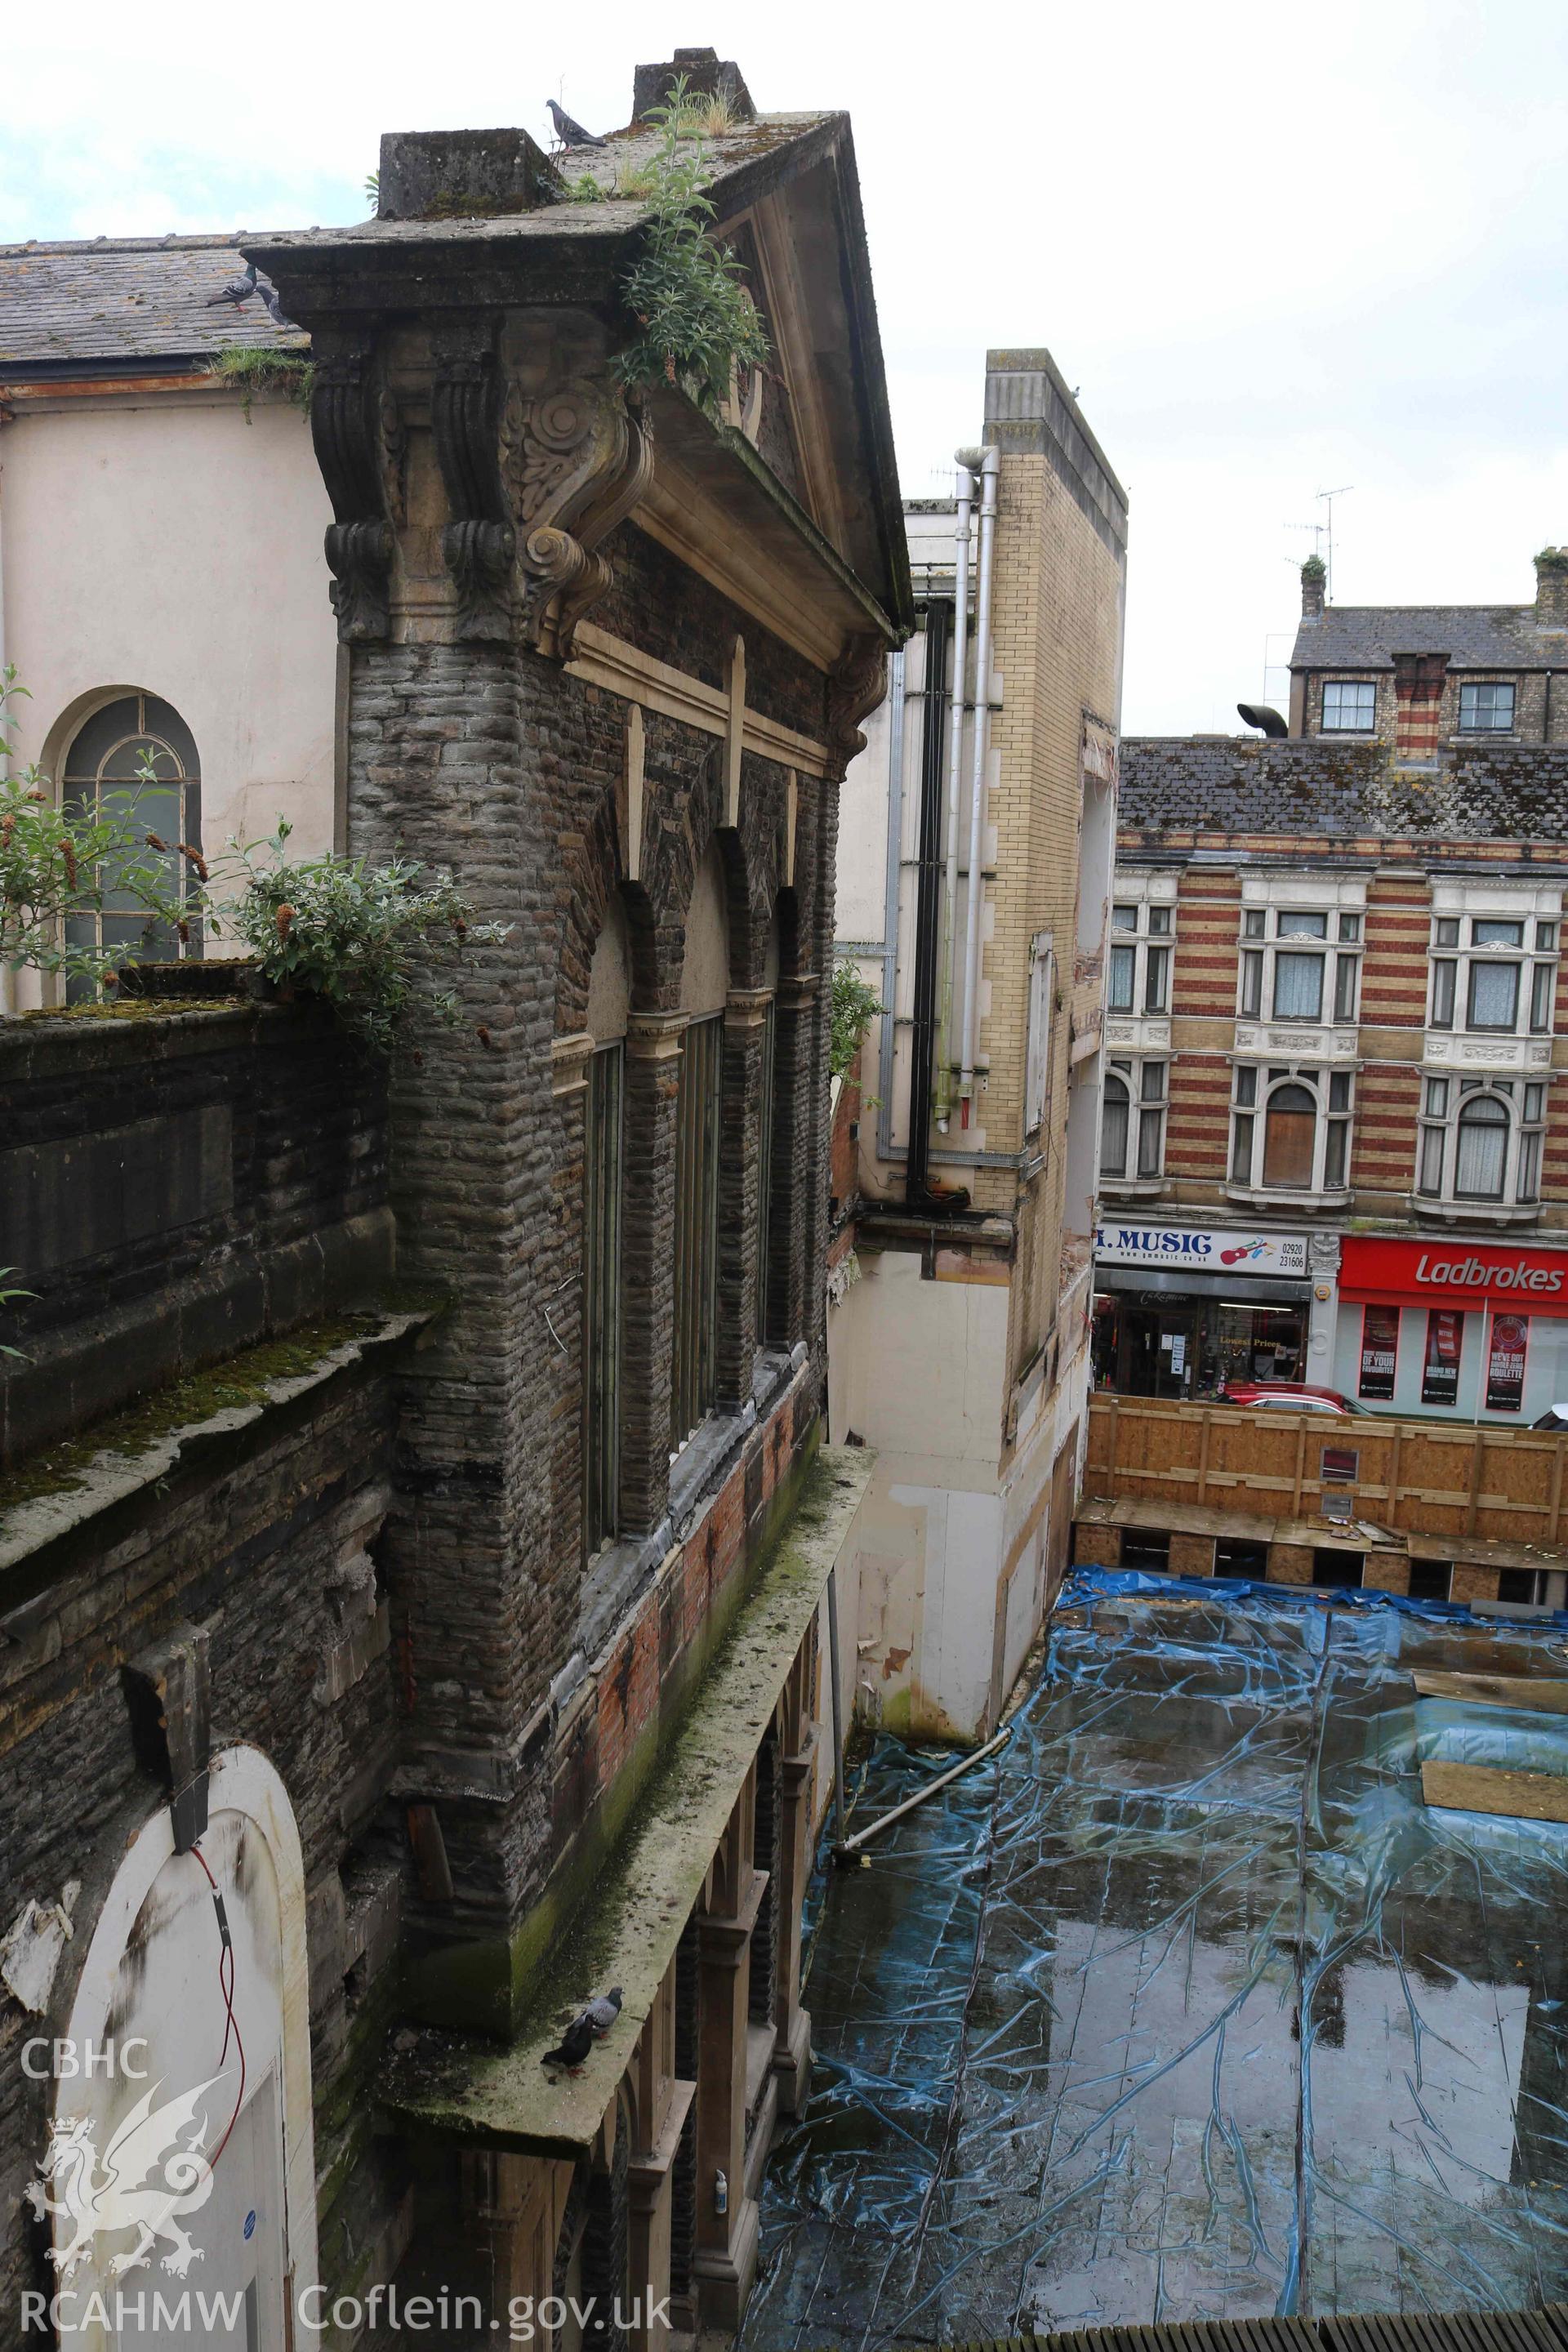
120, 299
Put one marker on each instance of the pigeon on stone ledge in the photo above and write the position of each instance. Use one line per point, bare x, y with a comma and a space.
238, 291
274, 308
575, 2044
570, 133
603, 2009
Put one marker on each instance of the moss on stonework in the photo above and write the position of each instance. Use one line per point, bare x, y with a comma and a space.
246, 1379
486, 1985
132, 1008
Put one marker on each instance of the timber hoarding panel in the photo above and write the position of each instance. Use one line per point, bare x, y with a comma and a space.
1507, 1485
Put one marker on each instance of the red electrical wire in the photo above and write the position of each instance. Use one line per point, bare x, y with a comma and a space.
226, 1986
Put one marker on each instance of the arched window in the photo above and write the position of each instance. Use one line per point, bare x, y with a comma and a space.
603, 1161
1290, 1129
704, 989
1290, 1132
167, 1978
1483, 1149
1114, 1119
765, 1139
103, 775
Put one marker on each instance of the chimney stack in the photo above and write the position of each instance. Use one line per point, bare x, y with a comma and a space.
706, 75
1552, 588
1314, 574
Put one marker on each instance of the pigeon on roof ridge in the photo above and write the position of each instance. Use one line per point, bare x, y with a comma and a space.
570, 133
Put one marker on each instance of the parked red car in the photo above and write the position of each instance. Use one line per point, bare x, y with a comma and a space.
1292, 1396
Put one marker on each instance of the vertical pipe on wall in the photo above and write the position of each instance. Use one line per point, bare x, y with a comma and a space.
988, 463
927, 907
891, 901
954, 769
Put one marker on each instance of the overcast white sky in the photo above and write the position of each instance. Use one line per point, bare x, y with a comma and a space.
1276, 248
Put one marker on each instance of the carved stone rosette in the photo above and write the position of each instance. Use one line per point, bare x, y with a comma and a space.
574, 460
856, 684
349, 427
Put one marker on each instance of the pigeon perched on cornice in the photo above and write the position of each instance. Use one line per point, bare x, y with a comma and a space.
603, 2009
575, 2044
570, 133
238, 291
274, 308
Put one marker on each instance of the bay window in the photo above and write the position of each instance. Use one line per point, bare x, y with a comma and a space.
1290, 1128
1133, 1123
1300, 964
1492, 975
1480, 1141
1138, 979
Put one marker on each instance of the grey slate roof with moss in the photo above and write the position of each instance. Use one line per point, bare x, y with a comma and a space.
1473, 636
126, 301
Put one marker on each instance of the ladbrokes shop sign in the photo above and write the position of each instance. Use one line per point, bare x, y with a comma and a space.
1453, 1274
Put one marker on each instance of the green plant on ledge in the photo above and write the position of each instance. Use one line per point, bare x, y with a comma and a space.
369, 940
697, 321
853, 1006
262, 368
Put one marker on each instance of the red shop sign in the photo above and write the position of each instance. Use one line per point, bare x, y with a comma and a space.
1453, 1274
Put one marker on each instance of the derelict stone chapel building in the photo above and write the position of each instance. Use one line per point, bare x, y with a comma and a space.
393, 1455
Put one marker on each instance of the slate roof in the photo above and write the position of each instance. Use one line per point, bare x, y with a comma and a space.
120, 303
1473, 636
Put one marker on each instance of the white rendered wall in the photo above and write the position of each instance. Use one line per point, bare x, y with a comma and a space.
173, 547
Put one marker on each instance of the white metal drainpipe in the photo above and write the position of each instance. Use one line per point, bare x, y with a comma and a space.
989, 465
954, 763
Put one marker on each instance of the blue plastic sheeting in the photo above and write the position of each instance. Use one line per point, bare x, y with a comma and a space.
1186, 2006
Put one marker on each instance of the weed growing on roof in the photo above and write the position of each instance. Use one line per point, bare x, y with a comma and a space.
259, 368
697, 321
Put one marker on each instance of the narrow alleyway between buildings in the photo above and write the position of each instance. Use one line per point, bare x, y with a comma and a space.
1186, 2005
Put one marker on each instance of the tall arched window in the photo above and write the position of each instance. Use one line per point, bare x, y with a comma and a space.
1115, 1113
1289, 1136
105, 774
603, 1158
1483, 1149
704, 988
188, 1991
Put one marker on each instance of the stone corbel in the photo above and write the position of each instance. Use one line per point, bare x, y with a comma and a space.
856, 685
357, 437
576, 459
478, 543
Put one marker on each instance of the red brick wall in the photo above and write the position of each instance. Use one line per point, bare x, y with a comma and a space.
1197, 1126
1394, 968
1208, 921
1383, 1132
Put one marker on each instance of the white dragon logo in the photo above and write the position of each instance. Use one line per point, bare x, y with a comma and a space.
148, 2182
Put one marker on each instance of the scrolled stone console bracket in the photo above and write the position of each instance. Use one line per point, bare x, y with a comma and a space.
575, 458
479, 540
353, 426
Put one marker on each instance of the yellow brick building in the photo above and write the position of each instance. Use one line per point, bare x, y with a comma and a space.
975, 844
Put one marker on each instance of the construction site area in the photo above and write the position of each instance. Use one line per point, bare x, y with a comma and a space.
1230, 1986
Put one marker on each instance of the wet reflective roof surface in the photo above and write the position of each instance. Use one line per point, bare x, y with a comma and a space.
1185, 2006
